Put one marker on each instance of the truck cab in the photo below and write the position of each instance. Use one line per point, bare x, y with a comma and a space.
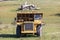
28, 22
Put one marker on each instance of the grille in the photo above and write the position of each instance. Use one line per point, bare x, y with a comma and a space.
28, 26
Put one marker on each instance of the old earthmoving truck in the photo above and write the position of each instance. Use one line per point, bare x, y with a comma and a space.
28, 22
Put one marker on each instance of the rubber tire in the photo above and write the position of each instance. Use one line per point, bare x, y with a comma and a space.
18, 31
38, 30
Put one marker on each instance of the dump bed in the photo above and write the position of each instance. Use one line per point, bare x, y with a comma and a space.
29, 12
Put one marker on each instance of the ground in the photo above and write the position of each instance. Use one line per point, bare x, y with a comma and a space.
51, 17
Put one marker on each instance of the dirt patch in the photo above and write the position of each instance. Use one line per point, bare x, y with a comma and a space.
53, 33
6, 26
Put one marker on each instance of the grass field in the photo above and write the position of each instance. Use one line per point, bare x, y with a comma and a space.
51, 17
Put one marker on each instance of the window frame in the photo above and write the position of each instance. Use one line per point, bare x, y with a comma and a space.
37, 18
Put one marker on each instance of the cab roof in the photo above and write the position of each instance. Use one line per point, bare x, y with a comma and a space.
29, 12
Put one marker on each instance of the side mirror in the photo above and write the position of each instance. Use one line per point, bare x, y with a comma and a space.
15, 18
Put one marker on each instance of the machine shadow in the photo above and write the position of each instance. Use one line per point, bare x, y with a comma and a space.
58, 14
14, 36
8, 35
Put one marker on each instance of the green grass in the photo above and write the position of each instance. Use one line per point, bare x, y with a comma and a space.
49, 8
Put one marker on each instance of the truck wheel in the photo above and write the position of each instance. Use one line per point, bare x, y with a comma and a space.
18, 31
38, 30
